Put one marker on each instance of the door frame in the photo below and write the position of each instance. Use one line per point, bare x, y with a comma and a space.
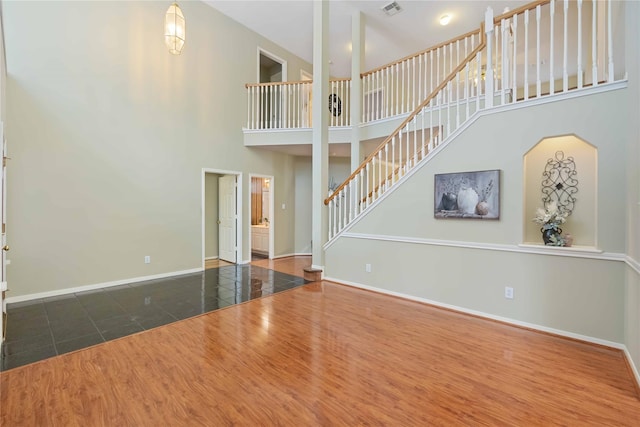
272, 220
239, 199
282, 62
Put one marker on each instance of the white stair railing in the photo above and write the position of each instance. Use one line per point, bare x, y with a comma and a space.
451, 104
553, 46
530, 53
398, 88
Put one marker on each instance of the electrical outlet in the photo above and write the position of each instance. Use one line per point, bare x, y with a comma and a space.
147, 259
508, 292
367, 268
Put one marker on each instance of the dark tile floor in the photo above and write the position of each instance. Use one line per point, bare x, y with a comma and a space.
48, 327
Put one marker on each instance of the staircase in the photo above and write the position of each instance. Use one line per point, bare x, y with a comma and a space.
521, 57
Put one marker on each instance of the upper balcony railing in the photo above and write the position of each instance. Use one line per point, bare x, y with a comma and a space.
287, 105
390, 90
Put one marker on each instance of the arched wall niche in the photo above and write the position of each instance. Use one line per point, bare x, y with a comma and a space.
582, 223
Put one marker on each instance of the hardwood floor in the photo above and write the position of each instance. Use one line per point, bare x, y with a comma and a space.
289, 265
327, 354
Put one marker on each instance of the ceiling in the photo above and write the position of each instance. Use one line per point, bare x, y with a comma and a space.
415, 28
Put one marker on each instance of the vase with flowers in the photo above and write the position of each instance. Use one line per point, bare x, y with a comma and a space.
550, 218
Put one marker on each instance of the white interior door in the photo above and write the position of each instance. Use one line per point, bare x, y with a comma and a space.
227, 218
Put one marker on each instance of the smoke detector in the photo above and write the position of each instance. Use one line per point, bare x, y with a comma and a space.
391, 8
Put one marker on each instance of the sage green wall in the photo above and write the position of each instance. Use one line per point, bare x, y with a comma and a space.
109, 134
211, 215
583, 296
632, 325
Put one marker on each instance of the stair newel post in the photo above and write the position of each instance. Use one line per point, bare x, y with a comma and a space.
488, 28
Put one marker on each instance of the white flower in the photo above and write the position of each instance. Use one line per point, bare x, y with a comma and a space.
551, 216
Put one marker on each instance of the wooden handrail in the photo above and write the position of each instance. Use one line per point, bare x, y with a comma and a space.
413, 55
424, 103
248, 85
516, 11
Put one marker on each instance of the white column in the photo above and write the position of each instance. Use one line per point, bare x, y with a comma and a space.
357, 63
320, 131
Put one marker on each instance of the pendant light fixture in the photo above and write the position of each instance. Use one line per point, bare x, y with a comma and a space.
174, 29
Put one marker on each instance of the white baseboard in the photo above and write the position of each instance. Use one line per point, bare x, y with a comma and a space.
293, 254
65, 291
533, 326
634, 368
209, 258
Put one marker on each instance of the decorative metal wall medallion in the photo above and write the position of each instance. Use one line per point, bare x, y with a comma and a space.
559, 182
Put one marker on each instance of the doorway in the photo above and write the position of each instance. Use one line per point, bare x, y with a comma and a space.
221, 216
272, 69
262, 224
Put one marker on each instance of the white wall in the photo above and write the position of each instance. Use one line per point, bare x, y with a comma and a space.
579, 295
109, 134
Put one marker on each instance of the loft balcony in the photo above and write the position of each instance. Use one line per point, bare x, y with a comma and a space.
540, 50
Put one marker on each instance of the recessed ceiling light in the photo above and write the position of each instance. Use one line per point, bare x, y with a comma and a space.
445, 19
